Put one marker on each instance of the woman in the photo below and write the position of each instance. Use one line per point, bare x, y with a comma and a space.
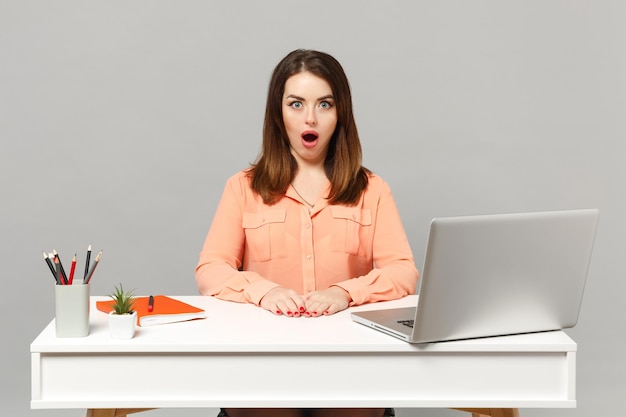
307, 231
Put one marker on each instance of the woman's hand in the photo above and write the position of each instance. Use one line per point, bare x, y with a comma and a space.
326, 302
281, 300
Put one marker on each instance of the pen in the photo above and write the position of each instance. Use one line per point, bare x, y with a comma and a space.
150, 304
72, 268
93, 268
51, 266
87, 259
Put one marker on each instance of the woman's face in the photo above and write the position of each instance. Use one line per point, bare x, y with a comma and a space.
310, 116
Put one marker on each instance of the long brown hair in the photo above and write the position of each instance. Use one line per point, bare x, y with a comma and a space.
276, 167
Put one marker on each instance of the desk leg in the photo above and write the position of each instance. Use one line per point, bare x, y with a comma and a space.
492, 412
114, 412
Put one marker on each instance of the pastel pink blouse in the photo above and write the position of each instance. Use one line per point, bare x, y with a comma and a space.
252, 247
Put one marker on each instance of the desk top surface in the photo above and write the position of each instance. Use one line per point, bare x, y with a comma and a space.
233, 327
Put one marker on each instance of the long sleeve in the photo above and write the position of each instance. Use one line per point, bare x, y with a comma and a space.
218, 271
394, 274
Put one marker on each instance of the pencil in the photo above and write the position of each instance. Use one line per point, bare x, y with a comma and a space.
56, 256
93, 268
58, 266
51, 266
72, 268
87, 262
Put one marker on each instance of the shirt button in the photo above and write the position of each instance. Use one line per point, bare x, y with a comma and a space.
308, 225
308, 256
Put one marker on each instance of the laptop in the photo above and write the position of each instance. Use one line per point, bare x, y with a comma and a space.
495, 275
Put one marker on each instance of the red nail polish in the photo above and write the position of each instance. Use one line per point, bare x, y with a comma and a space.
278, 312
301, 308
289, 313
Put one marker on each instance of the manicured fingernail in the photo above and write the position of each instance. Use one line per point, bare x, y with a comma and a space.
326, 312
296, 314
289, 313
307, 314
301, 309
278, 312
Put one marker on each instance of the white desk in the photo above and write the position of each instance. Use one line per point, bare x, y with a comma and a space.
239, 355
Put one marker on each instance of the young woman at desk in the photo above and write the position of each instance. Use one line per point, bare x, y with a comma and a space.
307, 230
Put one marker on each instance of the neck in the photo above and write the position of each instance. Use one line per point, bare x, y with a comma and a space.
310, 171
310, 182
313, 164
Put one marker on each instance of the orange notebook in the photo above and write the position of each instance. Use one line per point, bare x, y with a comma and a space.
165, 310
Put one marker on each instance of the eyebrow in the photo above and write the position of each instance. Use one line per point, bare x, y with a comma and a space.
329, 96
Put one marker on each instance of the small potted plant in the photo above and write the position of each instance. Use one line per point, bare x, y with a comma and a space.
123, 319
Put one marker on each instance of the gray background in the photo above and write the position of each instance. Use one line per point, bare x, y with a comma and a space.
121, 120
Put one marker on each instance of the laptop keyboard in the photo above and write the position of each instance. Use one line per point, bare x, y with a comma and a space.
407, 323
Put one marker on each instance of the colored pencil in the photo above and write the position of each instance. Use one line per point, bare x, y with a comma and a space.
51, 266
93, 268
56, 256
58, 267
72, 268
87, 260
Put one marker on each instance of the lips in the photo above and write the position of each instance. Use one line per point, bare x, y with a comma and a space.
309, 136
309, 139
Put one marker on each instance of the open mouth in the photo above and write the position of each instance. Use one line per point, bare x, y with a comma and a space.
309, 136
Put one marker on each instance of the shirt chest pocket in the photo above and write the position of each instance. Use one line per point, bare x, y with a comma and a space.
265, 234
351, 228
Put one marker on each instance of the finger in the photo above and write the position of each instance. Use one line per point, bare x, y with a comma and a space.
297, 305
283, 301
316, 308
269, 306
332, 309
314, 313
290, 308
301, 306
281, 308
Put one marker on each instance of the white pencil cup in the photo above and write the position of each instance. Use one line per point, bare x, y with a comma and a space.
72, 310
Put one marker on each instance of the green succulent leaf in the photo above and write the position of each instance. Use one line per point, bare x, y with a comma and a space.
123, 300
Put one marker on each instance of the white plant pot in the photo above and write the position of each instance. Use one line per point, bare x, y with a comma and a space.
122, 326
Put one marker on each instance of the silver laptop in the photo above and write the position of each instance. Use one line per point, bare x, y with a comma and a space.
496, 275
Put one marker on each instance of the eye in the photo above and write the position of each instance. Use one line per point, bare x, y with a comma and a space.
296, 104
326, 104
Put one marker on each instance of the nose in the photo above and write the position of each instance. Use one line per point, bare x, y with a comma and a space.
311, 118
